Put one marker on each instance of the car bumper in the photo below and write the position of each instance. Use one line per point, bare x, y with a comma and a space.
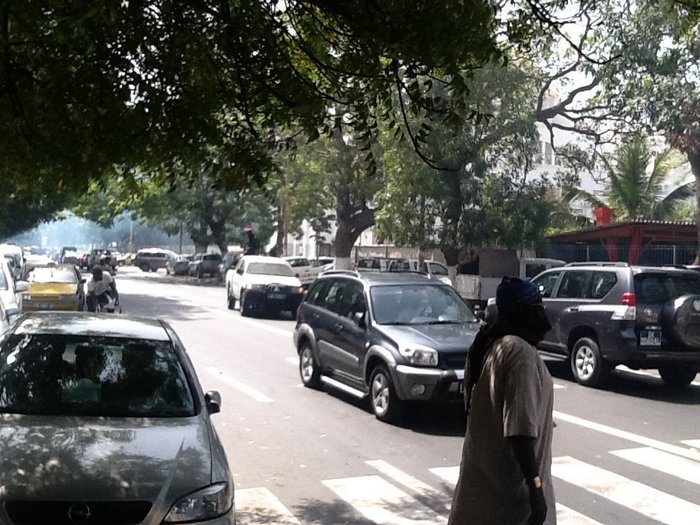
261, 299
624, 349
428, 384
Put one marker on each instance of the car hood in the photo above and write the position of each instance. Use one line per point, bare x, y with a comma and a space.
53, 458
254, 278
52, 289
451, 338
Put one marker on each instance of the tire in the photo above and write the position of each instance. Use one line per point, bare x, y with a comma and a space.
587, 364
677, 376
385, 404
244, 306
230, 300
308, 368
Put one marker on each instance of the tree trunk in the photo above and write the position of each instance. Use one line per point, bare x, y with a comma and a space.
350, 227
280, 247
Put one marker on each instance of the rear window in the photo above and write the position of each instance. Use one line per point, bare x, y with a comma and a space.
652, 288
212, 257
282, 270
52, 275
98, 376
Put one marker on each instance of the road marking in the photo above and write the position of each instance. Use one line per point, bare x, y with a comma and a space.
629, 436
263, 326
567, 516
241, 387
683, 468
647, 373
557, 386
382, 503
259, 505
449, 474
641, 498
424, 491
695, 443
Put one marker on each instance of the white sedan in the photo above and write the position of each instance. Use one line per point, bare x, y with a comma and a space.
260, 283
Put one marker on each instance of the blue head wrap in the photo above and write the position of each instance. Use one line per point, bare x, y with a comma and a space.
513, 293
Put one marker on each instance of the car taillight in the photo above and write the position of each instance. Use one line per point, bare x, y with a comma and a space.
629, 299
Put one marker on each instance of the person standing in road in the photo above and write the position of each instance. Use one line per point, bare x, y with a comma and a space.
505, 473
251, 244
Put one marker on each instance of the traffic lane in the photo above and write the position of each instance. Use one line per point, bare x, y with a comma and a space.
632, 402
301, 435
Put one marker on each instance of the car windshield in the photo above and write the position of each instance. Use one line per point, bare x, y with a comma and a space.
212, 257
52, 275
655, 288
270, 269
419, 304
100, 376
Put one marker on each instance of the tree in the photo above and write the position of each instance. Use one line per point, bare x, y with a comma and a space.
655, 81
636, 183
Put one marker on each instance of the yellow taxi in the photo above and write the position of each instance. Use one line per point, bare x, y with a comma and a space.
54, 287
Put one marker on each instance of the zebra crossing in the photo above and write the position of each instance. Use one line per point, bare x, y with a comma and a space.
390, 496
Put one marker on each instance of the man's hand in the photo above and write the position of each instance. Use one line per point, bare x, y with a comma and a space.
538, 505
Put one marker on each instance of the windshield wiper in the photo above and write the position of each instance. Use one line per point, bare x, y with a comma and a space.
444, 321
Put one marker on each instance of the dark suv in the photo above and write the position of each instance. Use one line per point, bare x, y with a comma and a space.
608, 314
392, 337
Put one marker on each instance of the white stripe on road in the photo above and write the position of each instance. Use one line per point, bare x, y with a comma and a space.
382, 503
567, 516
241, 387
695, 443
449, 474
557, 386
259, 505
683, 468
647, 373
629, 436
422, 490
638, 497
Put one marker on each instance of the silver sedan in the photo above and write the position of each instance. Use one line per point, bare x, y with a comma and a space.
103, 420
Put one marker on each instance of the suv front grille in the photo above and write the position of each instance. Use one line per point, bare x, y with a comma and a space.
456, 361
87, 513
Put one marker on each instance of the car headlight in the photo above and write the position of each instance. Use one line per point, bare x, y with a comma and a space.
205, 504
420, 355
27, 297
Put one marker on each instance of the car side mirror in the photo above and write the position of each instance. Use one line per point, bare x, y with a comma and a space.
21, 286
12, 311
479, 313
213, 401
359, 319
239, 271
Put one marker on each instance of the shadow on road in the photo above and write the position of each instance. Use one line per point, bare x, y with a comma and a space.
633, 385
158, 306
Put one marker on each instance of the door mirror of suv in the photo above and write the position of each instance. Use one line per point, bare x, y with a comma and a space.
21, 286
359, 318
239, 271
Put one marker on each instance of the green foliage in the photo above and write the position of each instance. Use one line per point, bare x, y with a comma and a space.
636, 181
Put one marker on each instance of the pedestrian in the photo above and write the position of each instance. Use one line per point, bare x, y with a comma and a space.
251, 244
505, 473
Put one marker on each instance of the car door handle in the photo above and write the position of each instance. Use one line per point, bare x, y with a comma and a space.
573, 309
338, 327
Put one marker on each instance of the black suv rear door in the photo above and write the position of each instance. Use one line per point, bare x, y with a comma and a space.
547, 284
564, 308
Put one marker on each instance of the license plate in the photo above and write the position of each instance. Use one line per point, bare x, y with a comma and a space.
45, 306
276, 296
650, 338
457, 386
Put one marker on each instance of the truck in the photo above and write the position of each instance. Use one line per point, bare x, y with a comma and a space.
489, 268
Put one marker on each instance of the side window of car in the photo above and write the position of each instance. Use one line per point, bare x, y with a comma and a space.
546, 283
602, 283
353, 300
316, 295
333, 296
574, 285
438, 269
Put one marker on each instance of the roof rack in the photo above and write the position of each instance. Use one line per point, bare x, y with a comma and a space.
341, 272
598, 263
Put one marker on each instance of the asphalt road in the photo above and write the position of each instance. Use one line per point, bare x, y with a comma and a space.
628, 454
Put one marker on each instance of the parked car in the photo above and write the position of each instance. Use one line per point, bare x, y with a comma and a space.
320, 262
228, 261
375, 264
433, 269
54, 287
259, 283
68, 255
10, 291
114, 407
302, 269
152, 259
15, 257
205, 264
608, 314
178, 265
392, 337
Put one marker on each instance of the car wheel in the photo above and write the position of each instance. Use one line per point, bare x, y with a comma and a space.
308, 370
587, 364
677, 376
244, 306
382, 395
230, 300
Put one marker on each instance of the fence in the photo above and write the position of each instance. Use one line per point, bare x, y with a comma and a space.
651, 255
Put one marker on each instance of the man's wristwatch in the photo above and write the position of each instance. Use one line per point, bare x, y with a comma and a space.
536, 482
